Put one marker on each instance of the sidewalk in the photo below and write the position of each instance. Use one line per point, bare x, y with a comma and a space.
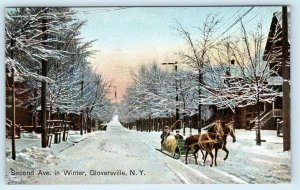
29, 140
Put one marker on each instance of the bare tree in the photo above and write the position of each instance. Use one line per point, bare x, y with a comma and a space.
196, 54
242, 76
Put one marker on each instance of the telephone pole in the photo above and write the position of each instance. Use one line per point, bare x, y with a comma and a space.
44, 89
13, 107
81, 114
286, 81
199, 104
115, 92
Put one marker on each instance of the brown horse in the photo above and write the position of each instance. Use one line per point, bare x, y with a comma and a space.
227, 129
195, 142
217, 137
207, 142
192, 143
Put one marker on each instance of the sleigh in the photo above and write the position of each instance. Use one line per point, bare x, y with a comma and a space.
170, 147
173, 147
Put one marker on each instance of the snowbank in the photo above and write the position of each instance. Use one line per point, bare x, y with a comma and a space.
32, 135
28, 159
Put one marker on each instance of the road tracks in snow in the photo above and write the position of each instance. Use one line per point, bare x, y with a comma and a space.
217, 174
192, 174
187, 174
231, 178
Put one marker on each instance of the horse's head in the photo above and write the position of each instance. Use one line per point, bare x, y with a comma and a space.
229, 129
218, 129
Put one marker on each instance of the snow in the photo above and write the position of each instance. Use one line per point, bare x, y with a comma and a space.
28, 159
32, 135
125, 150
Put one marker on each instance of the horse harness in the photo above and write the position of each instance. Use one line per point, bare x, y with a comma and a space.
213, 141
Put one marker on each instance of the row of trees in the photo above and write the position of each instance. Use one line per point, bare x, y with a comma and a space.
44, 47
226, 73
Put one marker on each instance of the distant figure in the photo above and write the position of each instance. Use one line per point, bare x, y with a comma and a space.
104, 127
165, 133
178, 136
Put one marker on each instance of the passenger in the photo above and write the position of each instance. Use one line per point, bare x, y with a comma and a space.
178, 136
165, 133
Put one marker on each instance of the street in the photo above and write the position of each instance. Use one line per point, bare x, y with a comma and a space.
115, 150
121, 156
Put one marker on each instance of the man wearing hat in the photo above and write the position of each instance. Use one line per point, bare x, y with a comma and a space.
178, 136
165, 133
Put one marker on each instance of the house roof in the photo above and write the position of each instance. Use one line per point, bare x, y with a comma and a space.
276, 22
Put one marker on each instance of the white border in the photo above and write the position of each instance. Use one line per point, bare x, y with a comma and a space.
295, 89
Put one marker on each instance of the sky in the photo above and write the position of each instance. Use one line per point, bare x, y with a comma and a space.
130, 36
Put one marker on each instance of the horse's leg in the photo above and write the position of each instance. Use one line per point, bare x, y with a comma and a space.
227, 152
216, 154
195, 152
202, 153
201, 147
212, 158
186, 153
206, 153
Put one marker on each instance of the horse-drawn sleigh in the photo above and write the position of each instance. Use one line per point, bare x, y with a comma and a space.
214, 139
172, 147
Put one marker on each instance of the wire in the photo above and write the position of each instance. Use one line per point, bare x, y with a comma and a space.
233, 24
229, 19
101, 10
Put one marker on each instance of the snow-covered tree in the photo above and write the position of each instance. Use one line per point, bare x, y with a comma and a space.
153, 93
66, 55
241, 76
150, 94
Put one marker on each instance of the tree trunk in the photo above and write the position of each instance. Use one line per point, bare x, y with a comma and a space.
258, 136
44, 92
13, 117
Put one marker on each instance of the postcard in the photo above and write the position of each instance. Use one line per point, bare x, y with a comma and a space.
147, 95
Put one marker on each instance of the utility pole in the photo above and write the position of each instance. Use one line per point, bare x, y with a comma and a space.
199, 104
177, 99
44, 89
88, 125
286, 81
13, 107
184, 112
115, 92
35, 116
81, 117
176, 88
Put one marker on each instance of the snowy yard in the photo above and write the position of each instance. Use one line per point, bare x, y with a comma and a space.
120, 156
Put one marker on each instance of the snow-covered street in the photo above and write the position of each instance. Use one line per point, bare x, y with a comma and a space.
99, 87
121, 156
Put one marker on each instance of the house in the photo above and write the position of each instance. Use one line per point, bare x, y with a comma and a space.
273, 55
271, 114
23, 110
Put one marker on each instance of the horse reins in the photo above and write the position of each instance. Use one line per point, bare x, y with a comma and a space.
207, 141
